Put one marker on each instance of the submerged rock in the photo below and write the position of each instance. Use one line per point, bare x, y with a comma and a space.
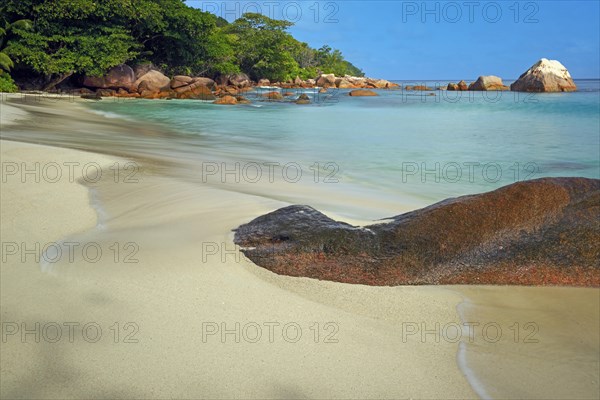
362, 92
539, 232
226, 100
545, 76
273, 96
303, 99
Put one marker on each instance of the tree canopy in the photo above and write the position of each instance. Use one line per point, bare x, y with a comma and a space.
88, 37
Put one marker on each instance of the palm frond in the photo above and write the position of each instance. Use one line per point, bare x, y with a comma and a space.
22, 24
5, 62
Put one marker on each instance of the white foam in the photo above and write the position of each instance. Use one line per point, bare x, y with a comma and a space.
461, 357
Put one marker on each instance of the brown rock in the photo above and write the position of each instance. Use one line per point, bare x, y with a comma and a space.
153, 81
242, 100
106, 92
264, 82
273, 96
452, 86
180, 80
462, 86
303, 99
240, 80
196, 92
226, 100
326, 81
538, 232
344, 84
362, 93
489, 82
142, 69
545, 76
148, 94
209, 83
121, 76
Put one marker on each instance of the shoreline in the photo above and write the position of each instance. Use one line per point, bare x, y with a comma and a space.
371, 320
171, 275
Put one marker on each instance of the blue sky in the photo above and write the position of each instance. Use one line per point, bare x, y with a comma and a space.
441, 40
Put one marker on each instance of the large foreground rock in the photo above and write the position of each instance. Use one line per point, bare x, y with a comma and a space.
121, 76
539, 232
545, 76
488, 82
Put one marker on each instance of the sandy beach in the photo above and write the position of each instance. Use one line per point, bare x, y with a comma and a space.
355, 348
160, 304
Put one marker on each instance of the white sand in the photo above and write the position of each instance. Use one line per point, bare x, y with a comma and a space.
178, 286
170, 293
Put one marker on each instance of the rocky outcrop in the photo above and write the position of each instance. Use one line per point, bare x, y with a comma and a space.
326, 80
343, 83
273, 96
489, 82
264, 82
545, 76
303, 99
142, 69
180, 81
152, 81
539, 232
418, 88
227, 100
121, 76
460, 86
362, 93
240, 80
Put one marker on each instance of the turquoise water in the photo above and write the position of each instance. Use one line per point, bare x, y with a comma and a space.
408, 144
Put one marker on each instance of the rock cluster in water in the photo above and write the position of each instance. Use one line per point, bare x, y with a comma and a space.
147, 82
539, 232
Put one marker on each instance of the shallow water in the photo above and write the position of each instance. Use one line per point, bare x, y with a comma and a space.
400, 145
366, 158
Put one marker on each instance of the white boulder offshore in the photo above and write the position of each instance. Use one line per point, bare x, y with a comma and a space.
545, 76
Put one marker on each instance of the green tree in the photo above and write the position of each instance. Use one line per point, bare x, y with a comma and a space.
73, 36
264, 47
332, 61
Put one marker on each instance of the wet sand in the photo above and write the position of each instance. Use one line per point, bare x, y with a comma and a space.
539, 343
159, 302
184, 315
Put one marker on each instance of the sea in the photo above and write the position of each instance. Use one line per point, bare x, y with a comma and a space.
402, 147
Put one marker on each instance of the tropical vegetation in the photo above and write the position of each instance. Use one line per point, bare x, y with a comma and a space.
49, 41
